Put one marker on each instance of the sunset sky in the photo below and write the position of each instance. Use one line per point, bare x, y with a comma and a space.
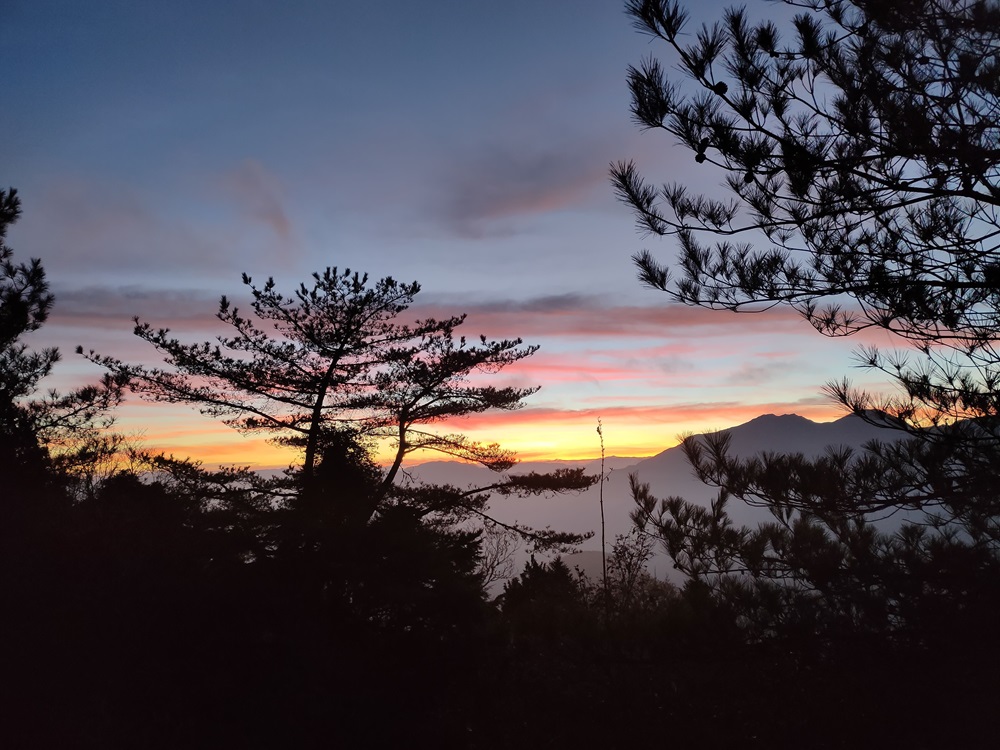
162, 148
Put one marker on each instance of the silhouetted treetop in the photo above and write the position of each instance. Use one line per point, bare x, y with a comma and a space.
861, 146
332, 355
25, 302
333, 370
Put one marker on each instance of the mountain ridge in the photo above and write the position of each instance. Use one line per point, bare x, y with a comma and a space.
668, 474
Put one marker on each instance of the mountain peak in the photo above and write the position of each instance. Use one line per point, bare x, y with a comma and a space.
778, 418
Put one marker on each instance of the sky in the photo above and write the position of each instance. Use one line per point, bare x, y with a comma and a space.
161, 149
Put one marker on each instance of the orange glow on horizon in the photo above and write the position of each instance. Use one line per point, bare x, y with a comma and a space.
538, 434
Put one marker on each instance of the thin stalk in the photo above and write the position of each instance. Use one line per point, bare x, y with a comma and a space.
604, 551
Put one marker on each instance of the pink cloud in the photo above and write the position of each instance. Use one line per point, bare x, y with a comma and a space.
568, 368
723, 413
560, 317
580, 316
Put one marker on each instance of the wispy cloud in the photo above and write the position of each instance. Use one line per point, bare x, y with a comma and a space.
79, 226
257, 193
762, 371
558, 316
504, 181
101, 306
574, 367
592, 316
105, 228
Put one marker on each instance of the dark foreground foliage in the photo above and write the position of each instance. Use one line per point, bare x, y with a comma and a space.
134, 619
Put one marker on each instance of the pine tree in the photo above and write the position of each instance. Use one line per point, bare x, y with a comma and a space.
43, 433
861, 152
333, 368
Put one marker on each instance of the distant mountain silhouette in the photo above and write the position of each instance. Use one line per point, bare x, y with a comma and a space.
668, 473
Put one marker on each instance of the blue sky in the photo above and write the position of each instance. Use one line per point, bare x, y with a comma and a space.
162, 148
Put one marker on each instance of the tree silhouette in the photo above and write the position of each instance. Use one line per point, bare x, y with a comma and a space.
24, 305
863, 150
332, 368
862, 155
332, 354
545, 605
42, 432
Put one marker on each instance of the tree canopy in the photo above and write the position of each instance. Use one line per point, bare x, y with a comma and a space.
332, 368
333, 355
68, 428
863, 147
861, 152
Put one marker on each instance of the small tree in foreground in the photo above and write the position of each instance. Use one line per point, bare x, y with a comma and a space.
332, 370
862, 151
